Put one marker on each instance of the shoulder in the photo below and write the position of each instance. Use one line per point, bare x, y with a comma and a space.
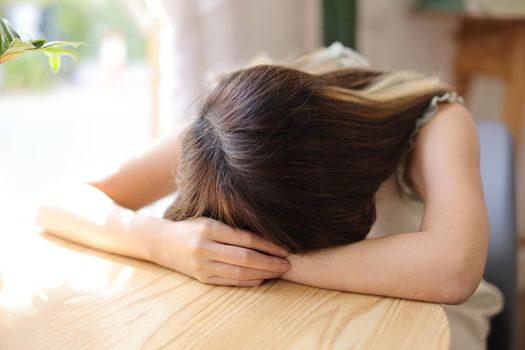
446, 145
451, 116
452, 129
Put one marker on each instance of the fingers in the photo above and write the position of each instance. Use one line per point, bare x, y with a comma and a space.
243, 238
219, 254
249, 258
240, 273
221, 281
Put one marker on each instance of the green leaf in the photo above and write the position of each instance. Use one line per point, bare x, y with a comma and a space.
73, 44
7, 35
38, 43
60, 51
54, 62
16, 48
13, 46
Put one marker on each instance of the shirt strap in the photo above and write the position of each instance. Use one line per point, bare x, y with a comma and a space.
405, 186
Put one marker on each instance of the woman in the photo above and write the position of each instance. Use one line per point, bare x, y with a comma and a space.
285, 173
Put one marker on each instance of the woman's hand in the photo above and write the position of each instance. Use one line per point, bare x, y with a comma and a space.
215, 253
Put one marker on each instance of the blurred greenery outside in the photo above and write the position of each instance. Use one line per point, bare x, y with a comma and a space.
87, 21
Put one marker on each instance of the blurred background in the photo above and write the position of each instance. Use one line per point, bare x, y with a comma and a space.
148, 60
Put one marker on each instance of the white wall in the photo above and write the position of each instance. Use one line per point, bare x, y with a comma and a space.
393, 37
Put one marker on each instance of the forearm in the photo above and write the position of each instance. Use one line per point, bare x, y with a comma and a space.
412, 265
83, 214
202, 248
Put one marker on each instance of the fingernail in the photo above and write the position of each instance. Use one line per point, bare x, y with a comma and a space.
285, 266
284, 252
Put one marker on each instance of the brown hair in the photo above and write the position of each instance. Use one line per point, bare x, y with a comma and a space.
295, 157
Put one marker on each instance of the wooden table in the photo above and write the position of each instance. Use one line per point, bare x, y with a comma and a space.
58, 295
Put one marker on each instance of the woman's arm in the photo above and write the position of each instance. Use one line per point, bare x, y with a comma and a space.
82, 213
100, 214
444, 261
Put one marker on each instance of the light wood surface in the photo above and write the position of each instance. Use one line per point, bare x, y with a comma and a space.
58, 295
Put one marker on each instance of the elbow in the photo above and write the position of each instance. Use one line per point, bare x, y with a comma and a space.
461, 281
463, 267
458, 293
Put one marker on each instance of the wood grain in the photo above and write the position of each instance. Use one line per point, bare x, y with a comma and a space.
57, 295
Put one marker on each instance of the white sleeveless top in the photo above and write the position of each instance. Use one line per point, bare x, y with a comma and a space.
400, 209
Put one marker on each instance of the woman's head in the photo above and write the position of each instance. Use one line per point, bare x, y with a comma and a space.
294, 157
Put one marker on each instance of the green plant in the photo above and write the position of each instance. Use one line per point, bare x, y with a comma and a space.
13, 45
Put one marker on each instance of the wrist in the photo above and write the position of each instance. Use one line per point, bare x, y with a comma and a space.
145, 235
166, 244
153, 249
316, 269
